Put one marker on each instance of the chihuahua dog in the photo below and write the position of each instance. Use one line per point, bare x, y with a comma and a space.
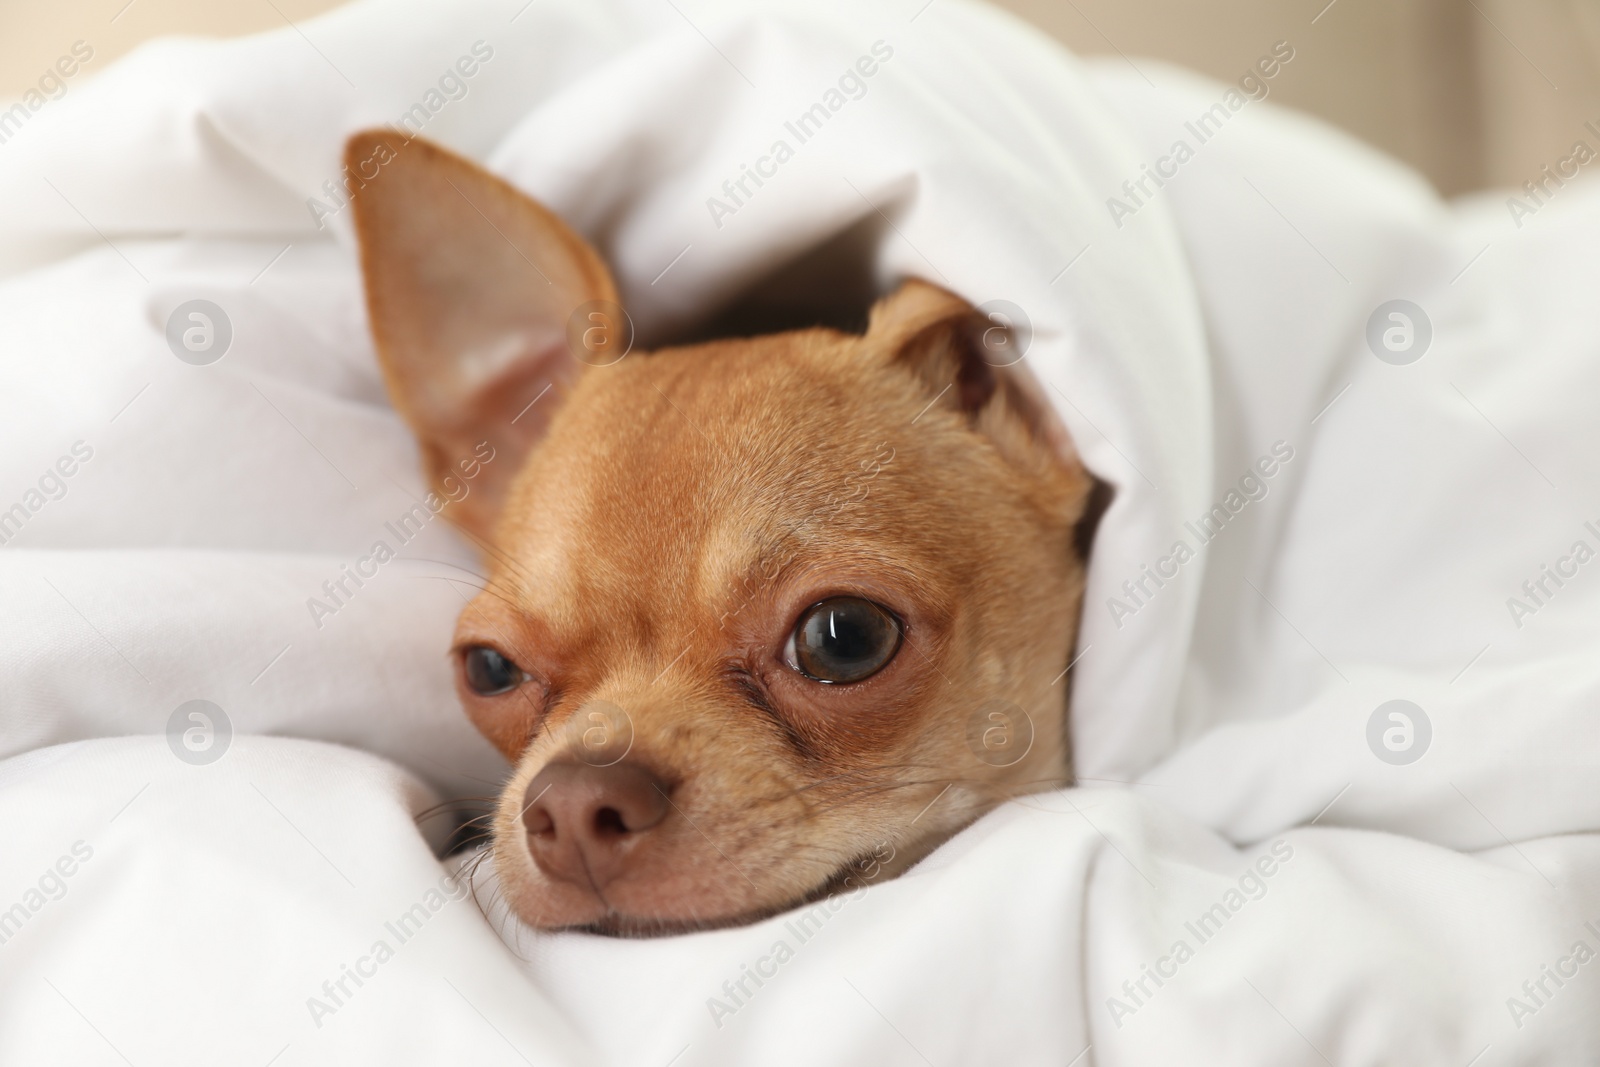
763, 618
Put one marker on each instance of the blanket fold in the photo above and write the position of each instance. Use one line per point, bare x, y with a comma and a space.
1331, 710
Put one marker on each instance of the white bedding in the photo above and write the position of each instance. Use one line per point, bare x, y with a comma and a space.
1332, 906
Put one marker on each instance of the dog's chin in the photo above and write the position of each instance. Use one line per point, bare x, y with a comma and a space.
615, 923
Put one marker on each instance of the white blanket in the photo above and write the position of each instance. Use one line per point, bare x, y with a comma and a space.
1261, 866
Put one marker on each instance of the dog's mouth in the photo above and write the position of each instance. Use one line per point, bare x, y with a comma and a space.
848, 877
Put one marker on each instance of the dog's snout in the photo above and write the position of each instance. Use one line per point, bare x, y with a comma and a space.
583, 822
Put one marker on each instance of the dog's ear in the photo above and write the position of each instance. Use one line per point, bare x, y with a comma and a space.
968, 364
470, 286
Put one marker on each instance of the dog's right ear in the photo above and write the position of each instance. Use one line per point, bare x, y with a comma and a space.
470, 286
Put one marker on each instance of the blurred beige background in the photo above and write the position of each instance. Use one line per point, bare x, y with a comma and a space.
1473, 93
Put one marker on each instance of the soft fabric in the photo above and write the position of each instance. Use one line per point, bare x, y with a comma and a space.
1258, 866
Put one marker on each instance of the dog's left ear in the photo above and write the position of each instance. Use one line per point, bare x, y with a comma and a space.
470, 286
967, 365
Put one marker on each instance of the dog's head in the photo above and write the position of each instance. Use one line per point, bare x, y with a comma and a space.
762, 616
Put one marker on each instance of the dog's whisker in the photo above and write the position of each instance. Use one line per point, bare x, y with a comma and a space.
445, 563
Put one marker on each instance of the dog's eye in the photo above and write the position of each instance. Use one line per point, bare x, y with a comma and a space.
489, 673
844, 639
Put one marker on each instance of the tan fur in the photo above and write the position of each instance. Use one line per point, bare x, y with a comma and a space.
653, 548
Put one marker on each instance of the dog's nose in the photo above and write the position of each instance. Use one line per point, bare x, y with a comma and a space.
583, 823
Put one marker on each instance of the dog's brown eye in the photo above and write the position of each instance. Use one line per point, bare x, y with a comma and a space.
489, 673
844, 639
